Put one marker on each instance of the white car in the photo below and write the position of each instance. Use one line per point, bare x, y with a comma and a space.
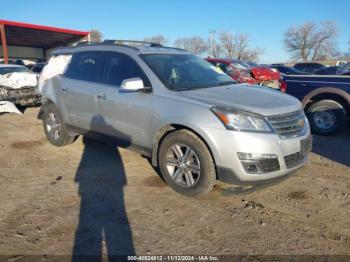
18, 85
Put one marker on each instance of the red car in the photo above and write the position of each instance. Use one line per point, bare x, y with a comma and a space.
243, 72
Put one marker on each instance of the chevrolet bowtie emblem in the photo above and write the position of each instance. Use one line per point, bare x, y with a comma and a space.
301, 122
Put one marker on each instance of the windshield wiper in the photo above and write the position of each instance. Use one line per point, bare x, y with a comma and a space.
203, 86
189, 88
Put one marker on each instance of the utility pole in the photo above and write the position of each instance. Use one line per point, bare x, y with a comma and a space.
4, 44
212, 49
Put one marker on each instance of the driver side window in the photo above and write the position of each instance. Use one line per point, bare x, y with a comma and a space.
120, 67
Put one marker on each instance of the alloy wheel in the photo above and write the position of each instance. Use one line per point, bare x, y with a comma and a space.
53, 126
183, 165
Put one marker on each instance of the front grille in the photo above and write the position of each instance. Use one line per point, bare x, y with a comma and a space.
288, 125
269, 165
293, 160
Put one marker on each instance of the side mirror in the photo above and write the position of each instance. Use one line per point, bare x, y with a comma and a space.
133, 84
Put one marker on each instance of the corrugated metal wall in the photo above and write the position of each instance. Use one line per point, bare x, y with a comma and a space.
24, 52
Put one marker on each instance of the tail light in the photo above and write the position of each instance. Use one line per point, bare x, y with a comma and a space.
283, 86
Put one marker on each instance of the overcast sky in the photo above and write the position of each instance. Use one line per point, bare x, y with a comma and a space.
265, 20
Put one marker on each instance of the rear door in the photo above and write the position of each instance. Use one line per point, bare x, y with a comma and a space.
125, 115
79, 86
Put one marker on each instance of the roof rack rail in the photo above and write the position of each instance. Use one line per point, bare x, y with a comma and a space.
175, 48
86, 43
135, 42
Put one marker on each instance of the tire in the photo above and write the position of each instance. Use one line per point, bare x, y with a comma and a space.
194, 173
326, 117
54, 127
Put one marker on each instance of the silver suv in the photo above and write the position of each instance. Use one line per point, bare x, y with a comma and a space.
193, 121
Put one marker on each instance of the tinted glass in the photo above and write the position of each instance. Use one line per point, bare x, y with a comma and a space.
345, 68
184, 71
86, 66
289, 70
240, 66
38, 68
120, 67
7, 70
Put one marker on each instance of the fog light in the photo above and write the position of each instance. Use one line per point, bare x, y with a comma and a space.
251, 167
254, 163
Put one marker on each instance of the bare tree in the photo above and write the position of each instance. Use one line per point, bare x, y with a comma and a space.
311, 42
227, 44
242, 49
95, 36
237, 46
195, 45
159, 39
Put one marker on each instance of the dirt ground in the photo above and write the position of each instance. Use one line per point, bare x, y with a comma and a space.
88, 198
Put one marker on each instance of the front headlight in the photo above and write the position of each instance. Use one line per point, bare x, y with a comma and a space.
242, 121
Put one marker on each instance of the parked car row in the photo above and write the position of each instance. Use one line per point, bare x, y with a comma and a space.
301, 81
36, 68
244, 72
313, 69
193, 118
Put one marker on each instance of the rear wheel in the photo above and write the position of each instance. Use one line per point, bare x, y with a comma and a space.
326, 117
54, 127
186, 164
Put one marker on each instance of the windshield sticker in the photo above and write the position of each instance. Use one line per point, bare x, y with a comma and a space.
217, 70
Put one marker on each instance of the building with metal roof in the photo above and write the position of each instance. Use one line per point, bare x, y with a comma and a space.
29, 41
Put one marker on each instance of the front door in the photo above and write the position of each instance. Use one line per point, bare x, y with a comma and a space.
125, 115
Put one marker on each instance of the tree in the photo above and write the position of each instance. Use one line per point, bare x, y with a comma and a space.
237, 46
95, 36
159, 39
227, 44
311, 42
195, 45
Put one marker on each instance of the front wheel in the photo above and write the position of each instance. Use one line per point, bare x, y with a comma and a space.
186, 164
326, 117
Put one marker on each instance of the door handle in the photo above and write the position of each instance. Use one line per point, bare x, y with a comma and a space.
65, 89
101, 97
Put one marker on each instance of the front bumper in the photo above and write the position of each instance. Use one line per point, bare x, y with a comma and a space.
25, 96
225, 145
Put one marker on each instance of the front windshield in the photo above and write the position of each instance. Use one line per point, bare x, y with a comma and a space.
245, 64
345, 68
14, 69
185, 72
240, 65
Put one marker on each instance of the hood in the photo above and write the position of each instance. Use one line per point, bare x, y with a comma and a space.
265, 74
251, 98
18, 80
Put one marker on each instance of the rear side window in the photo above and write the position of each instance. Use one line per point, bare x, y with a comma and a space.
120, 67
87, 66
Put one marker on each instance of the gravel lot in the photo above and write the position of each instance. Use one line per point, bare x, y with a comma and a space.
88, 198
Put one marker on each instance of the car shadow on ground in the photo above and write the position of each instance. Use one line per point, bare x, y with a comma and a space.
103, 220
336, 147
